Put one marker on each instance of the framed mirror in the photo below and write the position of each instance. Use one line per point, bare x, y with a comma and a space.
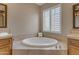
3, 16
76, 16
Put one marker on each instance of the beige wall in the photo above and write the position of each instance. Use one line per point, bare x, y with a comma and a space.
67, 18
22, 19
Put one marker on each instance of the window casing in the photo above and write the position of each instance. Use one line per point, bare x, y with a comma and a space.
52, 19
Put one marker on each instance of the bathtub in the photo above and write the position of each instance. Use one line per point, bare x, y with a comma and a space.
40, 42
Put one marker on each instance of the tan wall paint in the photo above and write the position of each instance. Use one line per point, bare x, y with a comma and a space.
67, 18
23, 9
22, 18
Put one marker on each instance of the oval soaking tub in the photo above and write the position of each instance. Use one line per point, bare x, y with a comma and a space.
40, 42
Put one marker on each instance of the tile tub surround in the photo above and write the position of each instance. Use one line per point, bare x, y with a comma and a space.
38, 52
20, 45
24, 36
20, 49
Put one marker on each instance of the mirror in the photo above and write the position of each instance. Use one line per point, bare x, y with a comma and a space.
3, 16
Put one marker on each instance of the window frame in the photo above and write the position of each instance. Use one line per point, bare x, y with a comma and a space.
50, 19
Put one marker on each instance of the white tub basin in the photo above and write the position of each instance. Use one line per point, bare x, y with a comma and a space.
40, 42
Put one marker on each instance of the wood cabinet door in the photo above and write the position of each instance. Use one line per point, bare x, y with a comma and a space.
5, 46
73, 50
73, 47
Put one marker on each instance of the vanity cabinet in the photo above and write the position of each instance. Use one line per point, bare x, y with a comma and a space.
73, 46
6, 46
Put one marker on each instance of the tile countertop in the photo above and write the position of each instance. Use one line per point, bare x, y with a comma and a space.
73, 36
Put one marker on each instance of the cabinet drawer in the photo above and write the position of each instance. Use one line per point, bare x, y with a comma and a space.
73, 50
5, 50
73, 42
4, 42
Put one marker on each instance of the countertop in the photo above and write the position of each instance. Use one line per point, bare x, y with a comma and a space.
73, 36
5, 36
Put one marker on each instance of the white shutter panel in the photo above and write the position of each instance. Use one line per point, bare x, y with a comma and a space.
46, 20
56, 19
